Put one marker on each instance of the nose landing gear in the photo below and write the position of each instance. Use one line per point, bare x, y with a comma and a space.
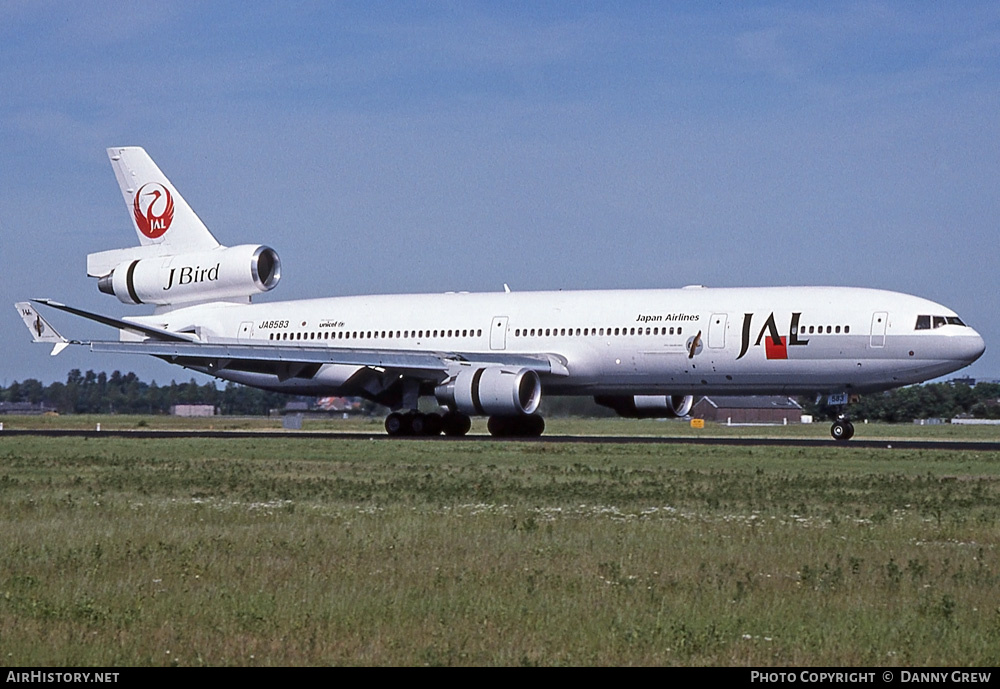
842, 429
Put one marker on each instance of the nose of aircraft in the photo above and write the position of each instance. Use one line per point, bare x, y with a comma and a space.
970, 347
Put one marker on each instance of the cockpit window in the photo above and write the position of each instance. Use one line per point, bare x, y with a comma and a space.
928, 322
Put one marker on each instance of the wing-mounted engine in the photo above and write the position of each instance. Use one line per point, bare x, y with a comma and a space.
225, 273
492, 390
648, 406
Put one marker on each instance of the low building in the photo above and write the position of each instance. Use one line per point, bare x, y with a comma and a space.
189, 410
776, 409
25, 409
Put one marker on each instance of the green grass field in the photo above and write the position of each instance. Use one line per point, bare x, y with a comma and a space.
301, 552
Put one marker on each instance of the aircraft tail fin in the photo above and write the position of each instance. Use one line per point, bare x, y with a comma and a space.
160, 215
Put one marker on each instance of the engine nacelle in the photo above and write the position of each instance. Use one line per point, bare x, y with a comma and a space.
492, 390
648, 406
236, 272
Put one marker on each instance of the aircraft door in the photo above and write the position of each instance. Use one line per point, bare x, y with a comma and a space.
717, 331
880, 320
498, 333
246, 330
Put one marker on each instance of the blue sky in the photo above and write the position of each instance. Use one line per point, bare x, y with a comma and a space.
410, 147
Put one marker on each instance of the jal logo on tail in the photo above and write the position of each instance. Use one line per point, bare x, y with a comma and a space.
154, 209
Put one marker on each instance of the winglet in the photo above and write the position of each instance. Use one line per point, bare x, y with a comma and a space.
41, 330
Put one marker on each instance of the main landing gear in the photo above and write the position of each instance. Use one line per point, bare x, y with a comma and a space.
453, 423
415, 423
530, 426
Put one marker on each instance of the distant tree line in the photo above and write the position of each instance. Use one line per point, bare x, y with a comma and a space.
99, 393
935, 400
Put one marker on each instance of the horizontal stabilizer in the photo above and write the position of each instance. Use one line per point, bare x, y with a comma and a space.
103, 262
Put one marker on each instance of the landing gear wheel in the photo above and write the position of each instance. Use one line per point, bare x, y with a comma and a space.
842, 430
456, 424
396, 424
530, 426
433, 424
534, 426
418, 423
499, 426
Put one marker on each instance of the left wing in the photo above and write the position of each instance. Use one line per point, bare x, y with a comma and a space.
185, 348
148, 330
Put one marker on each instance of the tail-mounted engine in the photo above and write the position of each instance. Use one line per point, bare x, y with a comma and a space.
492, 390
236, 272
648, 406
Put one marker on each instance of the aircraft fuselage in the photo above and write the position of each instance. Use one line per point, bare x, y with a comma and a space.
772, 340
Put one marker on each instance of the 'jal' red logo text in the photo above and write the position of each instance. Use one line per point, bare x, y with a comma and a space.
154, 209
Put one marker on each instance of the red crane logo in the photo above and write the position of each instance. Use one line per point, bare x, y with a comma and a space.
154, 209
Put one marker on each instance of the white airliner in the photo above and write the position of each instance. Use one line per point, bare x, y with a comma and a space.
643, 353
